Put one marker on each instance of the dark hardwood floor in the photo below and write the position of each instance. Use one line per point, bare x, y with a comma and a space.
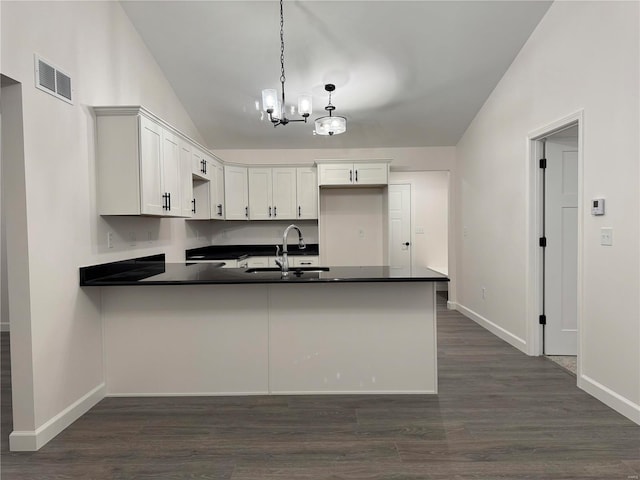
499, 415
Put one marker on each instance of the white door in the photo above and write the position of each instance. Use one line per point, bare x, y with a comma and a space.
400, 227
561, 252
307, 192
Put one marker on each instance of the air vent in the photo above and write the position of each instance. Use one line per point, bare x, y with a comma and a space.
52, 80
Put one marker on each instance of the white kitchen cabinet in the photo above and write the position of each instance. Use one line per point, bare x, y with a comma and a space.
236, 193
139, 164
200, 165
260, 194
257, 262
304, 261
187, 197
272, 193
360, 173
216, 191
229, 263
201, 204
307, 193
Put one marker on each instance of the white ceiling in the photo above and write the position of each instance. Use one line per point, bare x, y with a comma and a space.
407, 74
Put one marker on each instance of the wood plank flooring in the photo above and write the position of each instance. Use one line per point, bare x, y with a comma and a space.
499, 415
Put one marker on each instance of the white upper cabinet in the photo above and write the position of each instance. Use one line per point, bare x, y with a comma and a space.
236, 193
357, 173
200, 164
284, 193
272, 193
307, 193
216, 190
139, 164
260, 194
187, 197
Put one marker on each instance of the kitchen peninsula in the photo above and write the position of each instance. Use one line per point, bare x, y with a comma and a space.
197, 329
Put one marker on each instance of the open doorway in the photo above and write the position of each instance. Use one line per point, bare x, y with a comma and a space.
556, 207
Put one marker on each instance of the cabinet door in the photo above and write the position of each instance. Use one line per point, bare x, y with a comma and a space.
236, 198
307, 193
335, 174
370, 174
199, 164
284, 193
257, 262
305, 261
200, 204
216, 191
151, 199
186, 183
260, 194
171, 172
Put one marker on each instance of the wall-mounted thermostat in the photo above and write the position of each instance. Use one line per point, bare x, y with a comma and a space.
597, 206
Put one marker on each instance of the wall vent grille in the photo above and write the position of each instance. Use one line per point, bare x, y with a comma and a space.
52, 80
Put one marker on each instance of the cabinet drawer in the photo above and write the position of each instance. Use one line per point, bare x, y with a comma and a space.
304, 261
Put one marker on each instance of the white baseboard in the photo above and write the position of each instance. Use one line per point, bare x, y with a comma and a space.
30, 441
5, 327
497, 330
610, 398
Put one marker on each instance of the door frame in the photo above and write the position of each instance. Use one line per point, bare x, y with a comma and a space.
534, 280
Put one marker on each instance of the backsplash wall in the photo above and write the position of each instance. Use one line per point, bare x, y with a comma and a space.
260, 232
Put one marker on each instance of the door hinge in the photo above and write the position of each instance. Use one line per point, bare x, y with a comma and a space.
542, 319
543, 163
543, 241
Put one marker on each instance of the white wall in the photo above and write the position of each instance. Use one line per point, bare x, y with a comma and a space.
109, 65
261, 233
583, 55
352, 226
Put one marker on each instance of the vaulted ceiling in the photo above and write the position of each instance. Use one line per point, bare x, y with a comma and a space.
407, 73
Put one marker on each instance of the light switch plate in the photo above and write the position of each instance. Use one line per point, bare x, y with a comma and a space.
606, 236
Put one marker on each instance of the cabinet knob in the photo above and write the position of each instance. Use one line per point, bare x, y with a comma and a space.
219, 209
351, 175
275, 211
194, 205
356, 175
299, 211
269, 212
246, 212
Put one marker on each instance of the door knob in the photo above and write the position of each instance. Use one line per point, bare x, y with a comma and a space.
406, 244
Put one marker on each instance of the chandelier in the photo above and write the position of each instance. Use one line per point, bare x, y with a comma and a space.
275, 106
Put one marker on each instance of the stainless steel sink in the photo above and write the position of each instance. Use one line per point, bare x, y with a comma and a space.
293, 270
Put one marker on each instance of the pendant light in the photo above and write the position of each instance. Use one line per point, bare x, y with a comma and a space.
330, 124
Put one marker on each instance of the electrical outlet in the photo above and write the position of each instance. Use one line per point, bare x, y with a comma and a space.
109, 239
132, 239
149, 236
465, 232
361, 233
484, 293
606, 236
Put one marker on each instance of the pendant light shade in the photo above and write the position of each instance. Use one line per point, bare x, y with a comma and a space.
330, 124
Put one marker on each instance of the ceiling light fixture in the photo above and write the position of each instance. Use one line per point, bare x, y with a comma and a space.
274, 106
330, 125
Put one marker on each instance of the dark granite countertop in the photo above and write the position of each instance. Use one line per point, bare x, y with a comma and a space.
154, 271
239, 252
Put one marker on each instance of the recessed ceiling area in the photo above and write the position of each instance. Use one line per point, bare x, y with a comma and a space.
407, 74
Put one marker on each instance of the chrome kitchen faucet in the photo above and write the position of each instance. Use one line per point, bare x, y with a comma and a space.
283, 261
